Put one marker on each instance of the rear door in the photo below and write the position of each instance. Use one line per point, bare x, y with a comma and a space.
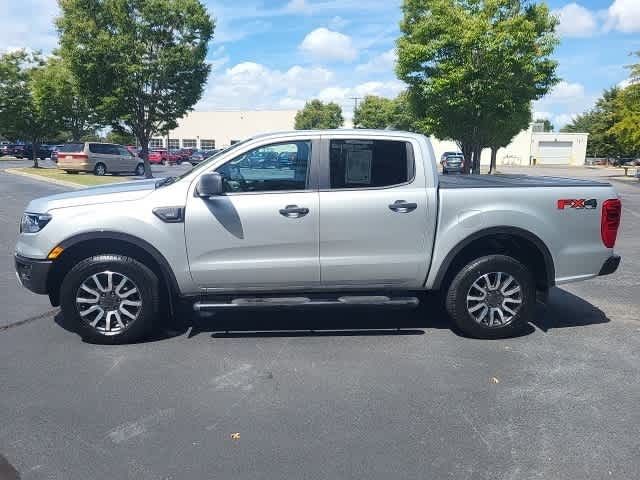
374, 215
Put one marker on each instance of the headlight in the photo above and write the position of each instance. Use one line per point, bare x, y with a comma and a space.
33, 222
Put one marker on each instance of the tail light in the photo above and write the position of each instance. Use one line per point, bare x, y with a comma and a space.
610, 221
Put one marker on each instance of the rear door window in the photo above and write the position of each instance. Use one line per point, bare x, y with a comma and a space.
99, 148
369, 163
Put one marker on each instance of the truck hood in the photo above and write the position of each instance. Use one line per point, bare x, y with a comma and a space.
120, 192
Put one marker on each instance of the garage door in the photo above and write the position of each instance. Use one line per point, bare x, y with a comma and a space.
554, 153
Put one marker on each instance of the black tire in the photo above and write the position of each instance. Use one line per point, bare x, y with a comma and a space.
100, 169
457, 305
140, 170
148, 294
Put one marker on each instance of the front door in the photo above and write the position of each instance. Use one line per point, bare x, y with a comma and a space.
374, 216
262, 234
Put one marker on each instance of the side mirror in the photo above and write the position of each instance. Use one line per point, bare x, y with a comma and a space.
210, 185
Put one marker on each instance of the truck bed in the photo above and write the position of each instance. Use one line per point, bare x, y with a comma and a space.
513, 181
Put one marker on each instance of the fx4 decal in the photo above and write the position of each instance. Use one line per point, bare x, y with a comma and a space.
579, 203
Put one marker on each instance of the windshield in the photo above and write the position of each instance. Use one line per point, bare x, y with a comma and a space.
203, 165
72, 147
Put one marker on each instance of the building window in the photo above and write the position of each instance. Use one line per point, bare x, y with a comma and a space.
189, 143
156, 143
207, 144
174, 144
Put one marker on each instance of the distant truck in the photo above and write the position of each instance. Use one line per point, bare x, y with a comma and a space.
354, 218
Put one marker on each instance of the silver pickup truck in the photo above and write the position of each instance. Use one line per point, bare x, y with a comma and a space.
304, 219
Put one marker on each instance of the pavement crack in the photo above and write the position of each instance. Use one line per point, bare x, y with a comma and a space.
29, 320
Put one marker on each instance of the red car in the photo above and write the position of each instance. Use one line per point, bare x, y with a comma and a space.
163, 156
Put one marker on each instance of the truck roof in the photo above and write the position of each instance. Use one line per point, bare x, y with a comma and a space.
359, 132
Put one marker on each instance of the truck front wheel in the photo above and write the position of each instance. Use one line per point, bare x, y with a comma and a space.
112, 299
492, 297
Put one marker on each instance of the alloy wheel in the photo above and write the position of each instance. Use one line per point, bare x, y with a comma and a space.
109, 302
494, 299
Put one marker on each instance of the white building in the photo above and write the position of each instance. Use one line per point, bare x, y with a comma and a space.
208, 130
545, 148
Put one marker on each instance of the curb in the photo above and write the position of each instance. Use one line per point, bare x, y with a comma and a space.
55, 181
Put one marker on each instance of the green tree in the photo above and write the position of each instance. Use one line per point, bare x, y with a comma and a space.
626, 126
29, 107
374, 112
470, 63
547, 126
121, 138
74, 110
599, 124
507, 127
318, 115
142, 62
626, 114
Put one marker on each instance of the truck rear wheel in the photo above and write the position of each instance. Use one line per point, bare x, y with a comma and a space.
492, 297
112, 299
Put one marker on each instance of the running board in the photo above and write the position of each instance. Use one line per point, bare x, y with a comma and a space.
304, 302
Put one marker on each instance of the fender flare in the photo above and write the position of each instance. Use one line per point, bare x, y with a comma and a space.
167, 271
493, 231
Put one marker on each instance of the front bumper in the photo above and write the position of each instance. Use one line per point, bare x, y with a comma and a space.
610, 265
32, 274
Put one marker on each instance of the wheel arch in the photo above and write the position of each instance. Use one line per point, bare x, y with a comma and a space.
517, 242
88, 244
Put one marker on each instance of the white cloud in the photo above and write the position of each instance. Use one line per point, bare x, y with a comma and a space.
561, 120
344, 96
576, 21
250, 85
28, 24
338, 23
624, 83
323, 44
542, 115
298, 6
385, 62
565, 93
624, 15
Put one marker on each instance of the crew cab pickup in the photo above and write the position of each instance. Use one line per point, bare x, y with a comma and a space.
356, 218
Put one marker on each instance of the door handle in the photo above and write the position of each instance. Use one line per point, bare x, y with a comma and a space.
293, 211
402, 206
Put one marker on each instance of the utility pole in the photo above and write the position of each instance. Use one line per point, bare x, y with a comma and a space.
355, 107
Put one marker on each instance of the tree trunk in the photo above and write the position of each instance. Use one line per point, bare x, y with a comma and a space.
144, 143
467, 152
34, 153
477, 151
494, 156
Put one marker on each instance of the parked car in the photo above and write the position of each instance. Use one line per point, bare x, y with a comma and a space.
444, 156
133, 150
99, 158
199, 155
44, 151
373, 228
54, 153
184, 154
163, 157
453, 163
287, 159
11, 150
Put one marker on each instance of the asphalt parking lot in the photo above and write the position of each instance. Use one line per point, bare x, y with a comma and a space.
363, 394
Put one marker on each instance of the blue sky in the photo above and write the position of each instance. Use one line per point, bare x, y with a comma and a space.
280, 53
